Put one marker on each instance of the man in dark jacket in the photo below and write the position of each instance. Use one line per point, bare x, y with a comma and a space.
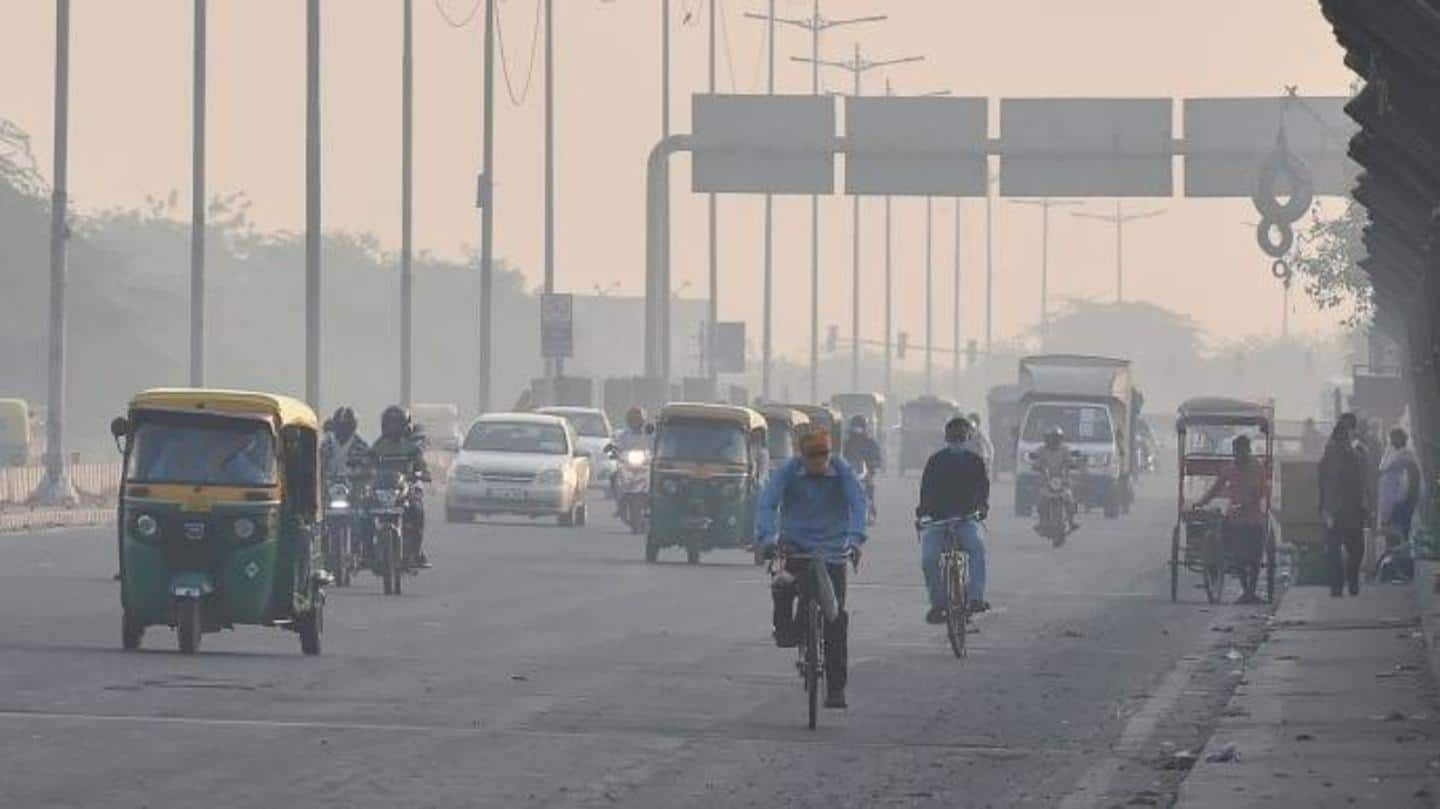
1344, 505
955, 484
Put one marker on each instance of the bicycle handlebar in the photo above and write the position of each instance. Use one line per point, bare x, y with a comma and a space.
923, 522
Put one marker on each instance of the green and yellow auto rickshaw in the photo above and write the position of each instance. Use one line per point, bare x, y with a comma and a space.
827, 418
704, 480
220, 515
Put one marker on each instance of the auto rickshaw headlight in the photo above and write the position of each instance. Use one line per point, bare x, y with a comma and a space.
670, 486
244, 529
146, 525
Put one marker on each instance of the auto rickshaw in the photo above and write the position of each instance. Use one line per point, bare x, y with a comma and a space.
219, 516
869, 405
1205, 430
922, 429
704, 481
827, 418
782, 426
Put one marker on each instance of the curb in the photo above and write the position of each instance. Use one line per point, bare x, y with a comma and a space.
1427, 594
36, 519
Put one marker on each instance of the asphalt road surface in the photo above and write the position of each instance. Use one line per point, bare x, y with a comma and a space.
538, 666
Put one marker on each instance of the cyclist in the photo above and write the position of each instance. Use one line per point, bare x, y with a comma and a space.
864, 455
954, 484
1244, 483
822, 513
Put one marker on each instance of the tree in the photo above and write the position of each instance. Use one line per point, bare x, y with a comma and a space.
1327, 260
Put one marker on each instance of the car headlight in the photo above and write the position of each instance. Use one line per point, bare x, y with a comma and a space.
146, 525
466, 474
244, 529
549, 477
636, 457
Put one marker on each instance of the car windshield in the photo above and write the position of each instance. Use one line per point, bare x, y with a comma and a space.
207, 450
701, 441
589, 425
516, 436
1080, 423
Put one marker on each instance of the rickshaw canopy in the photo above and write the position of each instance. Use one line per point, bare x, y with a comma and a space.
1220, 410
785, 414
286, 411
742, 417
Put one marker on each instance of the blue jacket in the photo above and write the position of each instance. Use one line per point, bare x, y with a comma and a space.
822, 514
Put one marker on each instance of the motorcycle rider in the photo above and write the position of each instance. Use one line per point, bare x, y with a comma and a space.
980, 443
954, 484
864, 455
821, 507
342, 447
396, 450
1054, 458
633, 436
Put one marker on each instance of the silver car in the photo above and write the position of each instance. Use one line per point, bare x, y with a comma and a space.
526, 464
593, 428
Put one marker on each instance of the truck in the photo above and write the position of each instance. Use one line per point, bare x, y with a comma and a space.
1094, 403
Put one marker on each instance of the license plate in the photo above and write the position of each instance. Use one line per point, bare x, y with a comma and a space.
507, 494
194, 531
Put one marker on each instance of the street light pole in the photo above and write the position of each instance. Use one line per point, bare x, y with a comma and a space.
556, 367
1045, 205
407, 221
929, 294
713, 314
1119, 219
56, 489
487, 211
197, 204
312, 203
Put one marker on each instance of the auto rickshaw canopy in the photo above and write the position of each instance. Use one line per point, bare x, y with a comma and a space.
742, 417
286, 411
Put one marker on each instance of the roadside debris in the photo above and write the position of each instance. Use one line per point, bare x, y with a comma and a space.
1224, 755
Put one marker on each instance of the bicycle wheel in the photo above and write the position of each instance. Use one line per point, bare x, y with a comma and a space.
814, 628
957, 613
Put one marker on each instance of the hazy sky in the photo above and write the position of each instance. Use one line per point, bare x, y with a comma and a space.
130, 132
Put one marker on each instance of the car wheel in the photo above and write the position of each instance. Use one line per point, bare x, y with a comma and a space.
582, 512
565, 519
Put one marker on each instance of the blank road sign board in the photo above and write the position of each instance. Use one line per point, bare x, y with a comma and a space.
1086, 147
729, 340
753, 144
1227, 139
916, 146
557, 325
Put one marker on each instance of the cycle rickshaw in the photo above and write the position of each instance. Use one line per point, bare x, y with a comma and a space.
1206, 428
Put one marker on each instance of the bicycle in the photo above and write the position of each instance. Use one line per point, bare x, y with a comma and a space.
818, 605
955, 568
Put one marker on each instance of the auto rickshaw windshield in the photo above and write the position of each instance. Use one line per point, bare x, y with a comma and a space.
202, 449
780, 441
711, 442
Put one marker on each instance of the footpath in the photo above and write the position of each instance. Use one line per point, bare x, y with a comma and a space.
19, 519
1339, 707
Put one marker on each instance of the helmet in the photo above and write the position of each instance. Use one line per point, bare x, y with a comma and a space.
859, 425
958, 429
394, 422
974, 420
343, 423
635, 417
1053, 436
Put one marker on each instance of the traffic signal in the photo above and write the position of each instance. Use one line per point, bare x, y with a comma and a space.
902, 341
832, 336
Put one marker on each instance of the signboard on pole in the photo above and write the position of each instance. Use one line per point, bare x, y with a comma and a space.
557, 325
930, 146
1086, 147
730, 347
1227, 140
754, 144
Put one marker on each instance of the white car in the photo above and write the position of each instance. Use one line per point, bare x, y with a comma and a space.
519, 463
592, 427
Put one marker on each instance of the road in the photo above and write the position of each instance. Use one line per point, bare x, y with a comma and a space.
539, 666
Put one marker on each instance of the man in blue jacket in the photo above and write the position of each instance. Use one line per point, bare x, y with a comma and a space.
955, 485
822, 508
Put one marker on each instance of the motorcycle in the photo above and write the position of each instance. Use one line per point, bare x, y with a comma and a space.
339, 543
392, 498
632, 488
872, 512
1054, 506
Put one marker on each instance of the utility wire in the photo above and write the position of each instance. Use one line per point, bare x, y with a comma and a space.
451, 21
729, 52
518, 99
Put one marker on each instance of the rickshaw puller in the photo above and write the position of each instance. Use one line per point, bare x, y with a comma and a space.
1243, 482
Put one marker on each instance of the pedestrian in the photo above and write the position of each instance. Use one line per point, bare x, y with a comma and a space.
1399, 491
1344, 492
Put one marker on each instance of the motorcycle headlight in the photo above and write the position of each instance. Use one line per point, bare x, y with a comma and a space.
386, 498
1056, 484
244, 528
339, 491
146, 525
636, 457
549, 477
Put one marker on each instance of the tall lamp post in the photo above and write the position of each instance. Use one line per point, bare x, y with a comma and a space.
1045, 205
1119, 219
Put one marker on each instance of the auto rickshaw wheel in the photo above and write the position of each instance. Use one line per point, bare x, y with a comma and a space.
308, 626
652, 550
1112, 503
187, 625
692, 554
1175, 563
131, 632
582, 513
